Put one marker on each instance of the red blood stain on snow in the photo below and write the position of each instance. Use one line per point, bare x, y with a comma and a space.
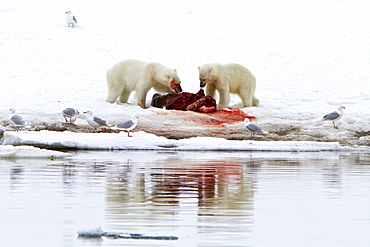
221, 117
214, 119
231, 116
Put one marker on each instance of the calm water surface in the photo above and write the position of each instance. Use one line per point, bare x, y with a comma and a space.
203, 198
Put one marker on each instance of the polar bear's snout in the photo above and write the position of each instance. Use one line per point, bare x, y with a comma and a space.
202, 82
175, 86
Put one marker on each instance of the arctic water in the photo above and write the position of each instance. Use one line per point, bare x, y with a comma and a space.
201, 198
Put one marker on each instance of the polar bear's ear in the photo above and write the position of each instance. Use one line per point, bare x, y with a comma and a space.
175, 71
198, 68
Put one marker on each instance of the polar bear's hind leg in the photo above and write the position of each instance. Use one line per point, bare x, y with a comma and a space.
123, 98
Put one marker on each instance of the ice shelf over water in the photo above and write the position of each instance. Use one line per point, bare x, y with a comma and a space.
9, 151
145, 141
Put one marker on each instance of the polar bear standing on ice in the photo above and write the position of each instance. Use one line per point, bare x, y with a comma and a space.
228, 78
134, 75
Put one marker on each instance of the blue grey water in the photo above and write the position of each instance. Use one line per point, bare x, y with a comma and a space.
203, 198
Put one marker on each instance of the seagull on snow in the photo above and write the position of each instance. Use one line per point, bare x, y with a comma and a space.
16, 120
334, 116
70, 113
94, 121
70, 19
253, 128
128, 125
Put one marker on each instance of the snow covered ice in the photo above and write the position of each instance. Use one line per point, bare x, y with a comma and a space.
9, 151
308, 59
145, 141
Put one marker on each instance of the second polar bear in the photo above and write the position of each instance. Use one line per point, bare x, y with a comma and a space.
228, 78
134, 75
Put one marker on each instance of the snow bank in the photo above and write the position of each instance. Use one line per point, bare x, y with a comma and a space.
145, 141
9, 151
308, 58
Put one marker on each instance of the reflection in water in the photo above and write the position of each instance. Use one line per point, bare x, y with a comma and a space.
206, 199
214, 197
16, 174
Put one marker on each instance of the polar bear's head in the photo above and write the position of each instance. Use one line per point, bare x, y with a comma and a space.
207, 74
174, 82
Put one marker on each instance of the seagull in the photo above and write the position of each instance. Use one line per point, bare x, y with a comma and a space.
16, 120
71, 19
334, 116
251, 127
94, 121
70, 113
128, 125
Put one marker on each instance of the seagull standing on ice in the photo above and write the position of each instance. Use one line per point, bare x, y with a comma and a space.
251, 127
70, 19
16, 120
94, 121
334, 116
70, 113
128, 125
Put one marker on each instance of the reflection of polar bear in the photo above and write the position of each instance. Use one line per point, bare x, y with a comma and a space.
226, 79
134, 75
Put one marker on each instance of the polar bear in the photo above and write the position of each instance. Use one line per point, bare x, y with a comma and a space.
228, 78
134, 75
